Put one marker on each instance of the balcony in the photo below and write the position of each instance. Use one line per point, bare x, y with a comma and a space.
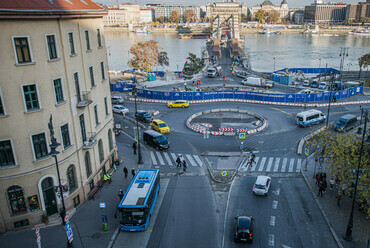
84, 99
90, 141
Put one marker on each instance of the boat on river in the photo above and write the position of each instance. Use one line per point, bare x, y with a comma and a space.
268, 32
360, 32
143, 30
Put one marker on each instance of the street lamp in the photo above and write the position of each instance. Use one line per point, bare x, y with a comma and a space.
134, 89
348, 235
53, 152
330, 91
343, 54
274, 63
319, 68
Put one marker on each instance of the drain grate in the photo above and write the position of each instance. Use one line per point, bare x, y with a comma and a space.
96, 235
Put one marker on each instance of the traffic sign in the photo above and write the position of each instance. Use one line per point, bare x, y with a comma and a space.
37, 230
241, 135
224, 173
241, 147
66, 218
306, 151
69, 231
38, 240
102, 204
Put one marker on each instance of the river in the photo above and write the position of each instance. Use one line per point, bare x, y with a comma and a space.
289, 50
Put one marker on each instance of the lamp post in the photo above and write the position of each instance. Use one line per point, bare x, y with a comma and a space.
134, 89
348, 235
319, 68
331, 89
53, 152
343, 54
274, 63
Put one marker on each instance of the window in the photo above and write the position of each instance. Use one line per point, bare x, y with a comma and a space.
30, 97
39, 145
16, 200
88, 164
77, 86
71, 44
58, 90
96, 115
106, 106
110, 140
6, 153
52, 46
65, 136
2, 110
71, 177
101, 151
23, 50
99, 38
102, 70
76, 201
83, 129
88, 48
92, 80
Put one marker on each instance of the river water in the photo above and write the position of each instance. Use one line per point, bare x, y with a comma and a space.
289, 50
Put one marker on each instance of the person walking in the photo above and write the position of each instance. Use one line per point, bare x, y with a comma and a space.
339, 197
125, 170
107, 178
249, 161
120, 194
321, 189
134, 146
178, 161
184, 164
133, 172
252, 158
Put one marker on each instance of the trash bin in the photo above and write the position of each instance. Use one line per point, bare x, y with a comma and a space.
104, 226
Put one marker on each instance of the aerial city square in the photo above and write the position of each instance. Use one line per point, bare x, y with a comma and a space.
187, 124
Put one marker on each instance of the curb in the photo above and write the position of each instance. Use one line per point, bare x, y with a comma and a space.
218, 181
335, 236
133, 121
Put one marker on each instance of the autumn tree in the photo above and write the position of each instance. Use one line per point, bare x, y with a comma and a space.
163, 59
145, 55
341, 154
273, 16
244, 18
175, 17
190, 15
364, 20
260, 16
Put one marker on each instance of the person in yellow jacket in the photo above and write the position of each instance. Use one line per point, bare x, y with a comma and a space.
107, 178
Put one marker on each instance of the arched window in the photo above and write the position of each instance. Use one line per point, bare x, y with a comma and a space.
110, 140
16, 199
71, 176
88, 164
101, 151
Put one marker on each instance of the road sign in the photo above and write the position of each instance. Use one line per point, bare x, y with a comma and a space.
224, 173
38, 240
37, 230
241, 135
69, 231
306, 151
66, 218
102, 204
104, 218
241, 147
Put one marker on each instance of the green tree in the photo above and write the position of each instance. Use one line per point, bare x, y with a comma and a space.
175, 17
145, 55
341, 153
194, 64
364, 20
260, 16
244, 18
364, 61
273, 16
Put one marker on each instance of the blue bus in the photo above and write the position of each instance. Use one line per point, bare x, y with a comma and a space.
136, 206
309, 118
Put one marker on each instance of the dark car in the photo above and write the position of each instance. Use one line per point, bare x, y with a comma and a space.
243, 229
143, 116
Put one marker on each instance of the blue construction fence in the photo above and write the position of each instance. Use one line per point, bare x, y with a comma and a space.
247, 95
278, 77
121, 86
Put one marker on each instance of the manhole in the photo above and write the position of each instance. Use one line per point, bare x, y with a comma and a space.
96, 235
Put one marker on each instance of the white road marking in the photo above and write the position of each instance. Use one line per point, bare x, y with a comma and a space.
191, 160
276, 166
272, 220
291, 165
262, 164
254, 165
283, 167
161, 161
269, 164
277, 191
299, 164
271, 240
197, 158
169, 162
153, 158
174, 157
274, 204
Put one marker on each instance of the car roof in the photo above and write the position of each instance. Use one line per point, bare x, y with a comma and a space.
116, 96
348, 116
244, 221
158, 120
262, 179
180, 101
119, 106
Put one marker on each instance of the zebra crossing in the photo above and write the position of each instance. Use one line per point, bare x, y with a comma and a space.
273, 164
169, 159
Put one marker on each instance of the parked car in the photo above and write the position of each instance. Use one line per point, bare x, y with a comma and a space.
160, 126
306, 83
314, 84
178, 104
117, 99
322, 85
143, 116
345, 123
262, 185
305, 91
119, 109
244, 229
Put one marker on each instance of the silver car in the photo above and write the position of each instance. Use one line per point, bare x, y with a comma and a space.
117, 99
119, 109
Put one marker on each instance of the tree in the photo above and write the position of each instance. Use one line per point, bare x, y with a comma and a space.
244, 18
260, 16
364, 20
194, 64
163, 59
190, 16
175, 17
341, 153
273, 16
145, 55
364, 62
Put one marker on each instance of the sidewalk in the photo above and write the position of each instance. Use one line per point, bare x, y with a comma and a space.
86, 221
337, 217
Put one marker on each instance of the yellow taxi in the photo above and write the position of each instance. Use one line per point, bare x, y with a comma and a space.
160, 126
178, 104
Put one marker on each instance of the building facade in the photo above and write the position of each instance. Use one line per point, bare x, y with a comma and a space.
54, 63
166, 10
268, 6
356, 11
128, 14
320, 12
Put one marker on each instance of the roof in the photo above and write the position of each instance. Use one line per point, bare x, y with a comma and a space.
265, 3
48, 7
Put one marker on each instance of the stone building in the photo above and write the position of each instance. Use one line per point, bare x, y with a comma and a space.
320, 12
54, 62
268, 6
166, 10
356, 11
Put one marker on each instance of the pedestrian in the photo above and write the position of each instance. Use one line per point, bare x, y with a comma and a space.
318, 178
107, 178
193, 83
133, 172
184, 164
321, 189
178, 161
220, 71
332, 181
334, 98
134, 146
224, 84
223, 78
325, 184
249, 161
120, 194
125, 170
252, 158
339, 197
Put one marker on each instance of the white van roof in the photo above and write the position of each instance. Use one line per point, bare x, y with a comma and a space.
310, 112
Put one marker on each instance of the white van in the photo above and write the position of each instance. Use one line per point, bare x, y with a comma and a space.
262, 185
310, 117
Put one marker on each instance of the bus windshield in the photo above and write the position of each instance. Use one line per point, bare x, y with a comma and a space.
133, 216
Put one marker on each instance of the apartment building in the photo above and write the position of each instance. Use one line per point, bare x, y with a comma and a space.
54, 62
320, 12
356, 11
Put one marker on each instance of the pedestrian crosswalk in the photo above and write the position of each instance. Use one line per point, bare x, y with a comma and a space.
272, 164
169, 159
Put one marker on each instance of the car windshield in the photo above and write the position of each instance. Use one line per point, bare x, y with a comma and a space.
122, 107
244, 224
161, 138
259, 186
162, 125
341, 123
299, 118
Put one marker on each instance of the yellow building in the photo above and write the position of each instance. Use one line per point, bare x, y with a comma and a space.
54, 62
268, 6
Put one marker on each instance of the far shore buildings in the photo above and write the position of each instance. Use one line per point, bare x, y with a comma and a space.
54, 62
128, 14
268, 6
